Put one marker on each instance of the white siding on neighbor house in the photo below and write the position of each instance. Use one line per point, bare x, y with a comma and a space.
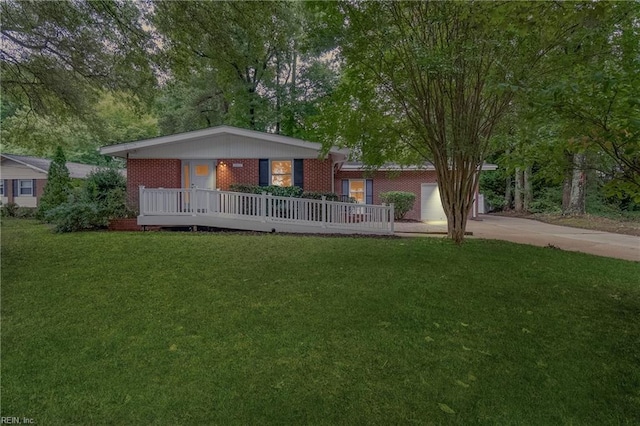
12, 170
26, 201
224, 146
4, 200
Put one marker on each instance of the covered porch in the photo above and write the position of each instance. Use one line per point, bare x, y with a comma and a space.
260, 212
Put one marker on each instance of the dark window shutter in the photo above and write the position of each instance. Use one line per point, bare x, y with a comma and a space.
345, 189
298, 173
369, 191
33, 188
15, 188
5, 188
263, 172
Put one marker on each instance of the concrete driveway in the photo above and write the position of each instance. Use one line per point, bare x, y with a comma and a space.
526, 231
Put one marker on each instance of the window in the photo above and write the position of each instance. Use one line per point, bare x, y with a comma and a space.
360, 190
357, 190
1, 187
25, 187
282, 172
202, 170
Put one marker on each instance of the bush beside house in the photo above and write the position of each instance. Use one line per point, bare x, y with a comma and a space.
402, 202
283, 191
100, 199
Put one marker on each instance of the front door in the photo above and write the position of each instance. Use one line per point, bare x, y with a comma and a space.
199, 174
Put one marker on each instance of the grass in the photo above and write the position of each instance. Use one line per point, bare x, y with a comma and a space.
176, 328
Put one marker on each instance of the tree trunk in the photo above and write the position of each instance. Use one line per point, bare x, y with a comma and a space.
457, 225
508, 193
278, 95
578, 186
252, 109
528, 193
456, 193
566, 184
518, 202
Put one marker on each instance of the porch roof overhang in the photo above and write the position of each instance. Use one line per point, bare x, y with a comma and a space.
222, 142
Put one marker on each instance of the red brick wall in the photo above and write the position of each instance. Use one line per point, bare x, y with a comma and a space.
152, 173
156, 173
408, 181
226, 174
317, 175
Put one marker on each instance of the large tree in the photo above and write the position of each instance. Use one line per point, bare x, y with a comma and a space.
114, 121
235, 44
440, 76
579, 116
596, 99
56, 57
248, 64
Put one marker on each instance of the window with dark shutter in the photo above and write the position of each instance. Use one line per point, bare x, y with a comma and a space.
298, 173
369, 191
263, 173
345, 190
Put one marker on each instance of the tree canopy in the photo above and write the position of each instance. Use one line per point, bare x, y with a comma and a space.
56, 56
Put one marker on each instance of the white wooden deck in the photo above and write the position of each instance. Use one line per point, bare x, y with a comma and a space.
260, 212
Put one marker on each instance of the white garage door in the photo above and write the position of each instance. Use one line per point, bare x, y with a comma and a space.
431, 208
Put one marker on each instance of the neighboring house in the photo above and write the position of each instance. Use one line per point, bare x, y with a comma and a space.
23, 178
215, 158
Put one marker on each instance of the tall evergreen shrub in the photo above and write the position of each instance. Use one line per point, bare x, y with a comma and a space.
58, 187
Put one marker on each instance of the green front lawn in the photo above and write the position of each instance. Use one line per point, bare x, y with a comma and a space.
188, 328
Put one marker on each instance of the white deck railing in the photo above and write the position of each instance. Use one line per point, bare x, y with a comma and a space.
266, 208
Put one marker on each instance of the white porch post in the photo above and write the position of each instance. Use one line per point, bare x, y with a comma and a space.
216, 202
140, 199
324, 211
194, 202
392, 216
263, 206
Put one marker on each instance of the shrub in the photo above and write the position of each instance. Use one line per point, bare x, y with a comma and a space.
102, 197
402, 201
75, 216
9, 210
107, 189
58, 187
245, 188
283, 191
26, 212
548, 200
278, 191
495, 202
329, 196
